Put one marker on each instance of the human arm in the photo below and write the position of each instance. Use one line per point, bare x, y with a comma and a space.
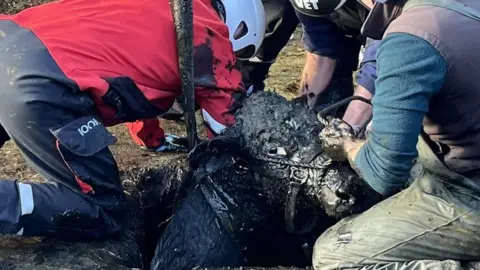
326, 47
316, 76
410, 72
358, 113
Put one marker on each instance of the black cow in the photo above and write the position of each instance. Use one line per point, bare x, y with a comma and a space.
261, 193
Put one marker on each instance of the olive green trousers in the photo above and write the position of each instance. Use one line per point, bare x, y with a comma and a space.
433, 224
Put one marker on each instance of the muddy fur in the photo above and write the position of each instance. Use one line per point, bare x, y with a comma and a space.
233, 211
158, 191
224, 221
262, 129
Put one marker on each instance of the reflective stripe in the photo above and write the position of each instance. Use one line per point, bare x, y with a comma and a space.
20, 232
214, 124
340, 4
250, 90
258, 60
26, 198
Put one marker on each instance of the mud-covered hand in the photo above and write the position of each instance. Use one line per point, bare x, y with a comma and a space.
333, 137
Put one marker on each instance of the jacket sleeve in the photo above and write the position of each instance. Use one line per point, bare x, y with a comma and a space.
323, 37
367, 72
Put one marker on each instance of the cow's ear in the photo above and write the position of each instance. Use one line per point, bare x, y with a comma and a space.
301, 100
218, 146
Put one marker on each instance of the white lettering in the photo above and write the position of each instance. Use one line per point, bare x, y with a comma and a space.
84, 129
299, 3
307, 4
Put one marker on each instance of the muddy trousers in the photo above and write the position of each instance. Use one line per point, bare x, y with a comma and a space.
56, 130
433, 224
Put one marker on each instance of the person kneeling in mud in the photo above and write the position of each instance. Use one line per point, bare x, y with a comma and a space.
427, 65
66, 77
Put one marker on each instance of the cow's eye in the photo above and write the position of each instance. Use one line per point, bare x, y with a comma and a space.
277, 151
240, 166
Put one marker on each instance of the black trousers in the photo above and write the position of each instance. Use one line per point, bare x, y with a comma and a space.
281, 23
57, 131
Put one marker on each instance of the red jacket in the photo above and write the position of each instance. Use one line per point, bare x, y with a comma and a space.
91, 39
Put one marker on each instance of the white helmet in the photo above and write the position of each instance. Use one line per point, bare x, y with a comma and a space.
246, 23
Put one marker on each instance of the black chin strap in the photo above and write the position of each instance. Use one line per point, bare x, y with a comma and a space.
220, 9
298, 180
290, 207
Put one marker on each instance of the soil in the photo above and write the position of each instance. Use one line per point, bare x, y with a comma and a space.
131, 159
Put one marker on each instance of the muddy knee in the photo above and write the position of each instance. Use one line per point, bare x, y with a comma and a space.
323, 253
328, 251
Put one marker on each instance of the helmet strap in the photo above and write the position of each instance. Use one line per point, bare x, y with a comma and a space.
220, 9
379, 18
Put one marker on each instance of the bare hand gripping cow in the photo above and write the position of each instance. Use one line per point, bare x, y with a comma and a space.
72, 67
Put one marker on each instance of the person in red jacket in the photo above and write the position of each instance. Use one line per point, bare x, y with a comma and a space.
70, 68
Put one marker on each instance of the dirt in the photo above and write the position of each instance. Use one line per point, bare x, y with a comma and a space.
257, 268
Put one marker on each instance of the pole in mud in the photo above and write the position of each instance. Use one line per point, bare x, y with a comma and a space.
182, 11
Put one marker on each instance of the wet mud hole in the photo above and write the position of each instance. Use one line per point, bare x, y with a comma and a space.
136, 167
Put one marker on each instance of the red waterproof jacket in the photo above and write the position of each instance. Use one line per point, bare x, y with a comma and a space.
96, 39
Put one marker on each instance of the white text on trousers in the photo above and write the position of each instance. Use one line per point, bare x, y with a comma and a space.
84, 129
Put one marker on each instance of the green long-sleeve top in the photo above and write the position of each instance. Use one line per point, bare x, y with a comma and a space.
410, 72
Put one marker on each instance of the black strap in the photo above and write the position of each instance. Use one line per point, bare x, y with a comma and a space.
220, 9
128, 101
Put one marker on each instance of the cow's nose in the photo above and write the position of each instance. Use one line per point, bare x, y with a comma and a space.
343, 193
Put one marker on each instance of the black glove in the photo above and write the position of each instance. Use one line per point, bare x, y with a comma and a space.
172, 143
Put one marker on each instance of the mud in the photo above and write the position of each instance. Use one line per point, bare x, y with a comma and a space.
205, 64
257, 268
239, 209
223, 221
284, 136
35, 253
150, 187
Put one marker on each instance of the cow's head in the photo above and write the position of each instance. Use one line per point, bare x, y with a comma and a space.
278, 142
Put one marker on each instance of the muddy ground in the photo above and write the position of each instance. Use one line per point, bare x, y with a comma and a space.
131, 160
